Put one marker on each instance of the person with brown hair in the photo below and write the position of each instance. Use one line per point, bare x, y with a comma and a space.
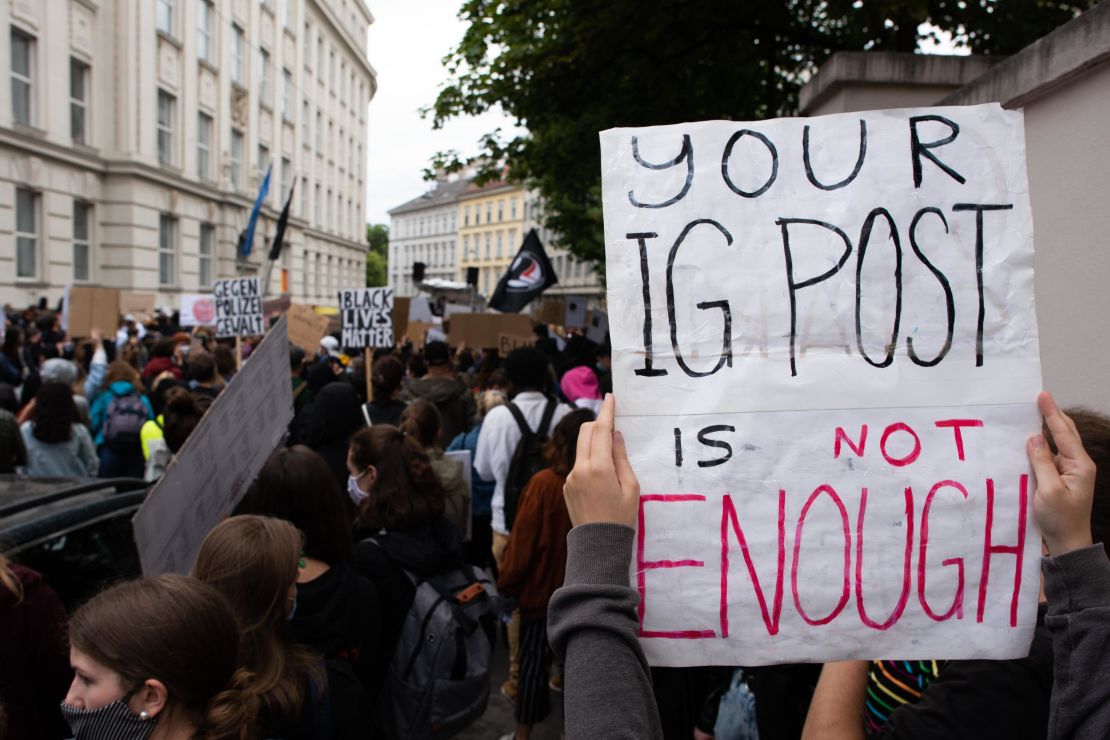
534, 563
254, 562
34, 665
421, 420
55, 440
156, 657
337, 609
387, 375
182, 413
118, 415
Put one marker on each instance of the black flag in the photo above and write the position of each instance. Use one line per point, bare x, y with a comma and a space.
283, 219
529, 275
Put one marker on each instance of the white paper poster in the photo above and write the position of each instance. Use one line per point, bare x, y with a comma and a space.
366, 317
238, 307
219, 460
825, 362
197, 309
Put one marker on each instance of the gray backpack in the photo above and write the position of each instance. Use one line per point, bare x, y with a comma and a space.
439, 676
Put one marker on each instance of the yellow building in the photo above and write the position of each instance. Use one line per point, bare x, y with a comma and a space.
492, 221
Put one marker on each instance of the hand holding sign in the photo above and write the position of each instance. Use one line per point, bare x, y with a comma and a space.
602, 488
1065, 483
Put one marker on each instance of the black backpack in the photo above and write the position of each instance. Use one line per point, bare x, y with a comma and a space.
527, 458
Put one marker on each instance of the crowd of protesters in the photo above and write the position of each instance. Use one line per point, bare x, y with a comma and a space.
296, 620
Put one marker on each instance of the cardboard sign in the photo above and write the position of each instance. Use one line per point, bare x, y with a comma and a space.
506, 343
366, 316
416, 331
575, 317
238, 307
597, 328
462, 457
402, 305
218, 461
197, 309
484, 330
420, 309
139, 305
306, 327
553, 312
85, 308
825, 362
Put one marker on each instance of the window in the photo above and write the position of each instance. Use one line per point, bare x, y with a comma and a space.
500, 210
327, 211
238, 47
499, 243
320, 57
303, 210
166, 113
331, 71
263, 158
204, 254
287, 95
167, 249
264, 76
285, 13
81, 212
319, 132
204, 146
287, 179
512, 209
477, 214
205, 48
316, 207
489, 212
163, 16
26, 233
488, 236
23, 47
78, 101
305, 121
235, 158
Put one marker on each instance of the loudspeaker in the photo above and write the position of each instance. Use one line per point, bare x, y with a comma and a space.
418, 272
472, 276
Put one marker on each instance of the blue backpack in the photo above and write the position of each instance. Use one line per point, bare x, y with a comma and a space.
124, 422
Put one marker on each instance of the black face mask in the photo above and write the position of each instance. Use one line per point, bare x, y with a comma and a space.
113, 721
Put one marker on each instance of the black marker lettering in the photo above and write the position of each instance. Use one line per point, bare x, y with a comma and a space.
864, 239
948, 301
686, 153
728, 153
792, 285
647, 370
855, 171
719, 443
919, 150
979, 208
726, 342
677, 447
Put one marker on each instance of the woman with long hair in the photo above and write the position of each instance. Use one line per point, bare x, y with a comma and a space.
156, 658
11, 357
337, 609
118, 415
421, 420
34, 664
400, 517
254, 562
534, 564
57, 443
386, 378
478, 548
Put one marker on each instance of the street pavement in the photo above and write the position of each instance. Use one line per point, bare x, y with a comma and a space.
498, 718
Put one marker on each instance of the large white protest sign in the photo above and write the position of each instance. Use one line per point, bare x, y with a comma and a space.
238, 307
825, 361
218, 461
366, 317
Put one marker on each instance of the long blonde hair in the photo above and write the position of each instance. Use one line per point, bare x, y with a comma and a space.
252, 560
9, 581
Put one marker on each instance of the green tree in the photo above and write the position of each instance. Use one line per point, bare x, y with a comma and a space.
377, 257
566, 69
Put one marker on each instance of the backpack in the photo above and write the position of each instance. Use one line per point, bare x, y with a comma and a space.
527, 458
439, 677
124, 422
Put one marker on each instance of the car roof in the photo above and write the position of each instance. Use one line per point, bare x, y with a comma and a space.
42, 508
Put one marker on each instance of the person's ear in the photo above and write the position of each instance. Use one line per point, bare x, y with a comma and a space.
371, 474
150, 699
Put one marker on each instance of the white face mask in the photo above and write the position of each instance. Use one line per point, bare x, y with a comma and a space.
357, 494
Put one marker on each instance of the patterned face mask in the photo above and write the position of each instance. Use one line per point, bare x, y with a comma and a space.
113, 721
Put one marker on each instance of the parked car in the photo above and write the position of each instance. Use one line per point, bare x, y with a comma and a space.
76, 532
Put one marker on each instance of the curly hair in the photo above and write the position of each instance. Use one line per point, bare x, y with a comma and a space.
54, 413
407, 492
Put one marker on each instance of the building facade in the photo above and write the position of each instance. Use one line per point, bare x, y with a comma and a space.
425, 230
138, 133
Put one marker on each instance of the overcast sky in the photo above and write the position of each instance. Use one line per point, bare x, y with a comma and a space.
407, 43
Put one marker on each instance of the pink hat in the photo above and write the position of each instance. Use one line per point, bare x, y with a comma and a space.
581, 382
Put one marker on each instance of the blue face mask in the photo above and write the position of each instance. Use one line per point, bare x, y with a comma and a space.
357, 494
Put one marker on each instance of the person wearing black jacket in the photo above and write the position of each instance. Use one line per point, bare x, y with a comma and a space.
330, 421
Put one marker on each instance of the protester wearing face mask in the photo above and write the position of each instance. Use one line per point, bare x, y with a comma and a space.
156, 658
254, 561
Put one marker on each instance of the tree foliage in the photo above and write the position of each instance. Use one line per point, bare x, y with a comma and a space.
377, 257
566, 69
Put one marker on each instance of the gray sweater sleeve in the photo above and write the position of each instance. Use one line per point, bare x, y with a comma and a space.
1077, 585
592, 626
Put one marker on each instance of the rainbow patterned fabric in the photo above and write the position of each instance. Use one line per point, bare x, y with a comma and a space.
892, 683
